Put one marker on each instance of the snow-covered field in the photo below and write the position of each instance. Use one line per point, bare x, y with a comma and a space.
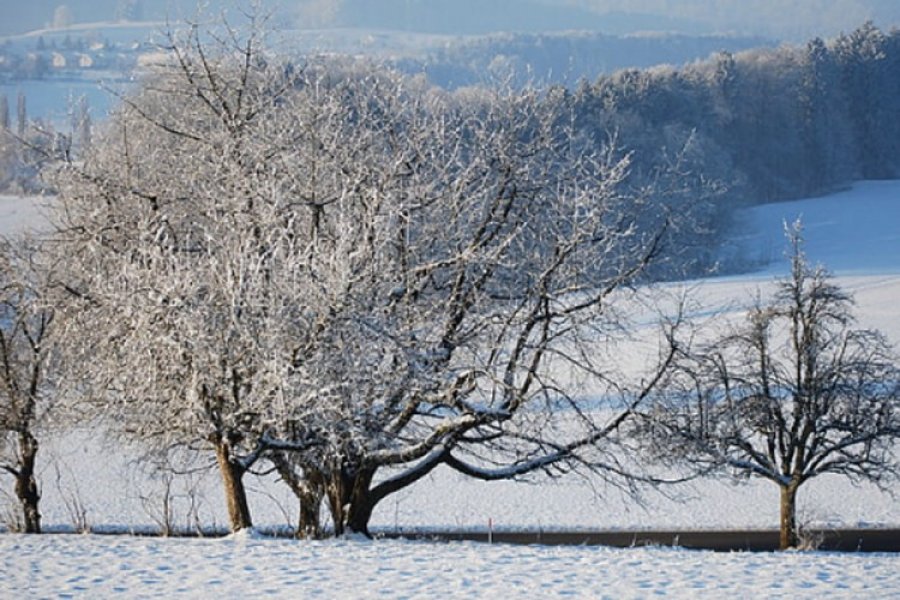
243, 567
856, 233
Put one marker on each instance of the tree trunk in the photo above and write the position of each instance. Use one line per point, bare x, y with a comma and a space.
26, 484
788, 538
309, 490
360, 513
233, 483
308, 525
350, 502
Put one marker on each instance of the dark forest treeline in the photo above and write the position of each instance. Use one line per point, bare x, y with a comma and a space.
757, 126
771, 124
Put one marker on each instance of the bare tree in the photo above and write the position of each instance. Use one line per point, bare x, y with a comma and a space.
794, 393
165, 229
338, 263
468, 275
25, 363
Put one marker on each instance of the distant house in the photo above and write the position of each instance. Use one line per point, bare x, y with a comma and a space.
85, 61
58, 60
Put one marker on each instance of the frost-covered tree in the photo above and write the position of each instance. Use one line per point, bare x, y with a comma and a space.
340, 270
171, 228
792, 394
26, 369
472, 269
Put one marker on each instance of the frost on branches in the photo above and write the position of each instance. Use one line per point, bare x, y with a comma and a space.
793, 393
27, 371
345, 273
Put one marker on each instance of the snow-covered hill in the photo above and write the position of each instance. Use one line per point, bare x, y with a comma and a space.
853, 232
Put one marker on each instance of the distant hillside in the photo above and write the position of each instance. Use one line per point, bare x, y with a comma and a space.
567, 57
473, 17
769, 18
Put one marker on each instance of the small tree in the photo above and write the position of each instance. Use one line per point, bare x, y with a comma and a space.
794, 393
25, 322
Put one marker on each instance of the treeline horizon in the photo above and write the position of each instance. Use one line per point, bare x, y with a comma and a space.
761, 125
758, 126
772, 124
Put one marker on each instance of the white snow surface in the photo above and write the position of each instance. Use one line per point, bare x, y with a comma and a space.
73, 566
856, 233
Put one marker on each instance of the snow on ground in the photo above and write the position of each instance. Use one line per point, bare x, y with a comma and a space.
856, 233
242, 566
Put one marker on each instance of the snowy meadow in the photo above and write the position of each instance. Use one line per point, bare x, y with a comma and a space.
854, 232
243, 567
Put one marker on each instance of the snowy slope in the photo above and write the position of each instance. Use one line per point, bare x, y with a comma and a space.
856, 231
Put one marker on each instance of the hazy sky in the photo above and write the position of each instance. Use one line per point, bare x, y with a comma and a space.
787, 19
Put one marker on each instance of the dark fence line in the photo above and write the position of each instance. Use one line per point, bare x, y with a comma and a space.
835, 540
840, 540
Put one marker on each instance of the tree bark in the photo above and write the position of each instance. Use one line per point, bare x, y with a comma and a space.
350, 501
309, 490
308, 525
233, 484
26, 485
788, 537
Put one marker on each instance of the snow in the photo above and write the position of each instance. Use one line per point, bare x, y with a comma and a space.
101, 566
856, 233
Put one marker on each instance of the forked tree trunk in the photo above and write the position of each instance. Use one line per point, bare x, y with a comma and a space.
26, 485
233, 484
350, 502
788, 537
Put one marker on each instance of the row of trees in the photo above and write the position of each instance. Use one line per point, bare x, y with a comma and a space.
354, 278
342, 274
